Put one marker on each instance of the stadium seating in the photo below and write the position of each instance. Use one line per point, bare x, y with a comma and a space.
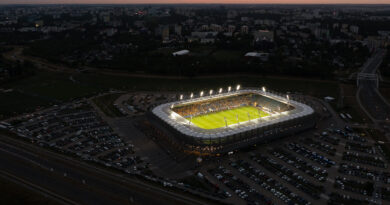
215, 105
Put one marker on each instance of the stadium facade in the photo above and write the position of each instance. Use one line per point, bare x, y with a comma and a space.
286, 117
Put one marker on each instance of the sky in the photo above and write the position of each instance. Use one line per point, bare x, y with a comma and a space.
194, 1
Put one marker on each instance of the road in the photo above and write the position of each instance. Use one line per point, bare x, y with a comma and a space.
368, 95
72, 182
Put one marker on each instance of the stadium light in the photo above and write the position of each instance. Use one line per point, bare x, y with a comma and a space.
211, 92
288, 100
238, 87
229, 88
192, 95
201, 93
220, 90
181, 97
264, 89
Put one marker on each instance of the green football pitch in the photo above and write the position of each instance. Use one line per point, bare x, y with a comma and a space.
216, 119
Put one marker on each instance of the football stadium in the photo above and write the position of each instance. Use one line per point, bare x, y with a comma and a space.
214, 124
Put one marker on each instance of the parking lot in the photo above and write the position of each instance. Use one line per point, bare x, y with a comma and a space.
332, 167
76, 129
331, 164
136, 104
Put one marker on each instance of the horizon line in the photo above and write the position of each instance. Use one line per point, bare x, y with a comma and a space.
361, 4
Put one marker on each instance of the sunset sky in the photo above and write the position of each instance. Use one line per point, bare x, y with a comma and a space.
197, 1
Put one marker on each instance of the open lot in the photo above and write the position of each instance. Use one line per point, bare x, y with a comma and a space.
349, 105
15, 102
106, 104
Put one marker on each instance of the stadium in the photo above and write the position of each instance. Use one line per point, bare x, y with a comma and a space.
219, 123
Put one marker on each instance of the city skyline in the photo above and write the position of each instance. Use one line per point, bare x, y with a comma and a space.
195, 2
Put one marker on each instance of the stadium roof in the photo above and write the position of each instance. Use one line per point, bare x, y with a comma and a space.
165, 113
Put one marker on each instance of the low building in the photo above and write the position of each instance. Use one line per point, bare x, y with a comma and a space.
264, 35
261, 56
181, 53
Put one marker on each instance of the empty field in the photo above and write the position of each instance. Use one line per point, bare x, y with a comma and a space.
217, 119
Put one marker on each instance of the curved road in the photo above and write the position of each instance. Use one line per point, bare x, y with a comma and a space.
368, 95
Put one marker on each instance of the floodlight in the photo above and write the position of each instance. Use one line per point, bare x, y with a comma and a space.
238, 87
192, 95
201, 93
181, 97
220, 90
211, 92
229, 88
264, 90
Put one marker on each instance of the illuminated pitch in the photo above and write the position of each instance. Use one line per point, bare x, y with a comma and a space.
232, 116
223, 120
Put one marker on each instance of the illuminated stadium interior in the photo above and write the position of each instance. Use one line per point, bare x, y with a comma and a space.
230, 110
225, 121
278, 108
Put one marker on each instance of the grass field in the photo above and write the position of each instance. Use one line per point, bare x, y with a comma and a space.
48, 88
217, 119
